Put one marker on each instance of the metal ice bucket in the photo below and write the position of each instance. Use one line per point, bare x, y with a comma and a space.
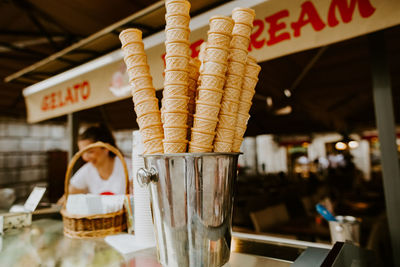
192, 199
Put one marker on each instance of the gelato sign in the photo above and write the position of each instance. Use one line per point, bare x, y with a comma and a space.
281, 27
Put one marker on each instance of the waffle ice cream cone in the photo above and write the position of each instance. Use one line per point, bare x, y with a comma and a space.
175, 103
212, 81
239, 130
229, 105
202, 137
248, 86
243, 15
176, 62
175, 133
143, 92
234, 81
212, 67
227, 120
247, 95
220, 146
133, 48
252, 71
172, 90
199, 148
202, 52
242, 119
150, 118
141, 107
251, 60
133, 60
231, 93
237, 142
219, 39
205, 109
212, 96
177, 7
215, 53
176, 76
154, 131
225, 135
175, 146
175, 119
138, 71
204, 124
194, 67
153, 146
130, 36
145, 81
221, 24
249, 83
236, 68
245, 107
237, 54
176, 20
242, 29
178, 48
240, 42
176, 34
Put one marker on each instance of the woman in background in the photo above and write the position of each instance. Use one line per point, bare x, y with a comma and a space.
103, 172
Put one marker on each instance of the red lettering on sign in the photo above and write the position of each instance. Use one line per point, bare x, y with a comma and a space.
76, 91
275, 27
71, 95
346, 11
53, 100
307, 10
45, 104
259, 25
85, 90
59, 97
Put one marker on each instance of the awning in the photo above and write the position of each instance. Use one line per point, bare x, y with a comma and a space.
281, 28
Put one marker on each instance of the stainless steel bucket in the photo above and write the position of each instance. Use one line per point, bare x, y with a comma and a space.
192, 198
345, 229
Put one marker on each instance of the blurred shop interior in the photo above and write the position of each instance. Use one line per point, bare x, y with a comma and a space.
312, 136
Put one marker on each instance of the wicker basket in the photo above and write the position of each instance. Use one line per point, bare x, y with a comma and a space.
98, 225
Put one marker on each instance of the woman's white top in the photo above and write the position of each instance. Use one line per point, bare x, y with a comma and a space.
87, 177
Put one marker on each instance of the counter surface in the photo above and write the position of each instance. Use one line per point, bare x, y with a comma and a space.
43, 244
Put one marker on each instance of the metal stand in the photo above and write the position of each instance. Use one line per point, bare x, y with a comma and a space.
73, 128
385, 120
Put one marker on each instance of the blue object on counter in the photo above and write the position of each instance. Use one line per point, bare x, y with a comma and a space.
325, 213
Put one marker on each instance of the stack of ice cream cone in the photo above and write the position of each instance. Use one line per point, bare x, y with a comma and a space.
194, 72
176, 81
225, 132
249, 83
205, 100
212, 80
143, 91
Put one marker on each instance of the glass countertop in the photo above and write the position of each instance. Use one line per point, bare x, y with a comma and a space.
43, 244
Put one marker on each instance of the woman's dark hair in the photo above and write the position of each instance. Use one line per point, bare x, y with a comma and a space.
98, 133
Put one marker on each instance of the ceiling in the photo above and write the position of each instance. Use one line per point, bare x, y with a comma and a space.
58, 35
331, 87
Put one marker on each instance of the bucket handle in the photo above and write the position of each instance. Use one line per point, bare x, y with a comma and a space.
144, 176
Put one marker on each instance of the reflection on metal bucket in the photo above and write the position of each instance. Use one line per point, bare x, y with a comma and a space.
346, 228
192, 198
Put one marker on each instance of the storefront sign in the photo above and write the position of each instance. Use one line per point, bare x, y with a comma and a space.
281, 27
